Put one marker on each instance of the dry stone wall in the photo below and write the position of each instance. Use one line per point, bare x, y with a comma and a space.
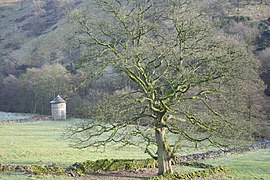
218, 153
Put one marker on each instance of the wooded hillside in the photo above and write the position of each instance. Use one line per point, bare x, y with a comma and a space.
38, 54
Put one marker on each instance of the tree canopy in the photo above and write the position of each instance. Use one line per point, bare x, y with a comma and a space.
185, 77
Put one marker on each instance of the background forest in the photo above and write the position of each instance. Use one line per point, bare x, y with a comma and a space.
39, 56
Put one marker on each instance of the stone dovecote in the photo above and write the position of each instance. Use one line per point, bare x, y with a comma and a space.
58, 108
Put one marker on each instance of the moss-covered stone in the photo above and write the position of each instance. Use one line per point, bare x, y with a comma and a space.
107, 165
46, 169
195, 174
4, 168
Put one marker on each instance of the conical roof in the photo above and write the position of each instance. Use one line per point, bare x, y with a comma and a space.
57, 100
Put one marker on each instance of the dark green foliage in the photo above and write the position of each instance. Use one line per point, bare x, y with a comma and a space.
263, 26
238, 18
263, 40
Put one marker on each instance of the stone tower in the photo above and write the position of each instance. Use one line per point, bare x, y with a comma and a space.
58, 108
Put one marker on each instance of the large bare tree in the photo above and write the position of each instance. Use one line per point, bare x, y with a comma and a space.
184, 76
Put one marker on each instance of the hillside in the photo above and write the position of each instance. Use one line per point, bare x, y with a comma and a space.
163, 77
34, 33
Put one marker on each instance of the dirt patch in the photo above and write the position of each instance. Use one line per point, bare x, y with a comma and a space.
143, 173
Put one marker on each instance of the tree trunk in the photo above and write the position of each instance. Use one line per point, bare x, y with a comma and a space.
164, 158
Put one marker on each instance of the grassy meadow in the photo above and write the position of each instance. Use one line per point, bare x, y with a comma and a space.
41, 143
249, 165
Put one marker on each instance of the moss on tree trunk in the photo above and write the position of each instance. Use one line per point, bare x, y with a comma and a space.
163, 151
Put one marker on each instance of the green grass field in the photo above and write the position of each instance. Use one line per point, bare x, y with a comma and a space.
249, 165
246, 166
41, 143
